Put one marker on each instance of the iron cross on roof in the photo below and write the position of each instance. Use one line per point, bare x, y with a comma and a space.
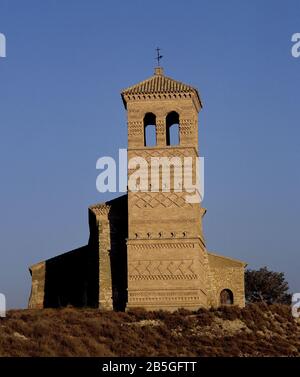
158, 57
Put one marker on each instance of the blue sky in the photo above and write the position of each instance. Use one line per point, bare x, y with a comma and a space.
60, 110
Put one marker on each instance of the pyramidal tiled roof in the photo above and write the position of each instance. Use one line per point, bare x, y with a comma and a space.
158, 83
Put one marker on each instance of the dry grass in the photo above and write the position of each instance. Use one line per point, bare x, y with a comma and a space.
257, 330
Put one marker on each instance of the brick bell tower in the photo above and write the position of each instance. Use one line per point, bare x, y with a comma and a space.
167, 258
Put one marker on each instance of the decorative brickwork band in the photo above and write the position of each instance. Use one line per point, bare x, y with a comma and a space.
163, 200
100, 209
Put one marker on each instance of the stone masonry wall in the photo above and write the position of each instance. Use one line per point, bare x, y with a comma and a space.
36, 300
226, 273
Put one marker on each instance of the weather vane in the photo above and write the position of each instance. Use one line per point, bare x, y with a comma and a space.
158, 57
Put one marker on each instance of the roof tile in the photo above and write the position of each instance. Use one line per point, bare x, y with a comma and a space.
159, 84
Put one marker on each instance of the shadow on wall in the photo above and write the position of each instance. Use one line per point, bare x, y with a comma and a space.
118, 220
73, 278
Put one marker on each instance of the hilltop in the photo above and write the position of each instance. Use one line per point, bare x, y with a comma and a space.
257, 330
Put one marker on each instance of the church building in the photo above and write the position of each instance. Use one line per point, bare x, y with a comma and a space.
146, 249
